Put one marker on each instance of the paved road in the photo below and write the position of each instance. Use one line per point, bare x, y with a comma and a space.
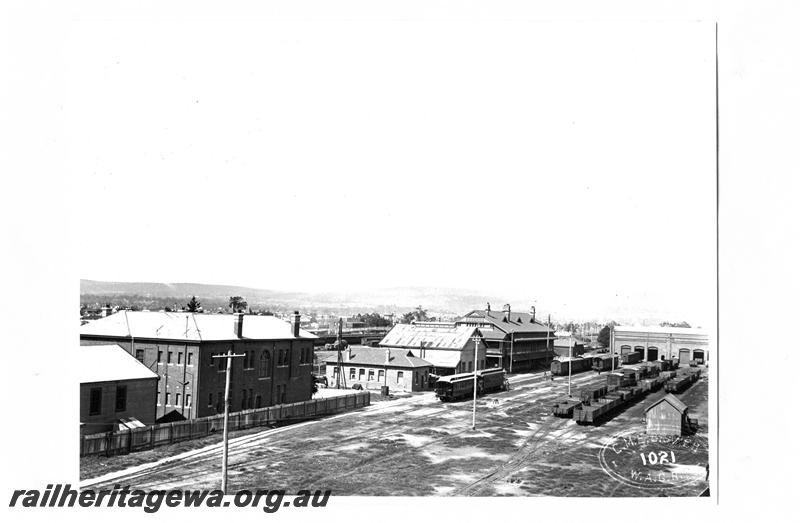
418, 446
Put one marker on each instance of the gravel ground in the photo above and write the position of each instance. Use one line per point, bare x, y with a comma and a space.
420, 446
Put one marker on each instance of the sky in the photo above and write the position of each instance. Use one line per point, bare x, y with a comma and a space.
567, 164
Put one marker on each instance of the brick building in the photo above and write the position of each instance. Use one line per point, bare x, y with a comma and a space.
449, 348
179, 347
515, 341
114, 387
372, 368
659, 343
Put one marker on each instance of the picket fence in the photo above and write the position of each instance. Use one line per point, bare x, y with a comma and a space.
143, 438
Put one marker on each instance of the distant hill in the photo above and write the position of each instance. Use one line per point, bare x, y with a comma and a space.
158, 295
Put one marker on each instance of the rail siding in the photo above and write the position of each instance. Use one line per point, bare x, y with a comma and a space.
165, 433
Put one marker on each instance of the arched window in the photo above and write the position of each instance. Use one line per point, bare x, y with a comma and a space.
264, 368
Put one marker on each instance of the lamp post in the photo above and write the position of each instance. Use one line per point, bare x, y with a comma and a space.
228, 356
475, 382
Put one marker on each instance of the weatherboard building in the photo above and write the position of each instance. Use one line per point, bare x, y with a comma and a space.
179, 348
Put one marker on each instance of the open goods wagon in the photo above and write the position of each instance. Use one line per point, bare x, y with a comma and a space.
566, 407
607, 406
460, 386
562, 367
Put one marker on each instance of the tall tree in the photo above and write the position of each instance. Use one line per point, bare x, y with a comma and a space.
193, 305
237, 303
604, 337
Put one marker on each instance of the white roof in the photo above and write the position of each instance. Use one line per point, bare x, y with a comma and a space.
189, 326
660, 330
97, 363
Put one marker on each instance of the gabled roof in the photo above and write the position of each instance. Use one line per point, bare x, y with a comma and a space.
518, 322
429, 337
96, 363
672, 400
567, 342
373, 356
188, 326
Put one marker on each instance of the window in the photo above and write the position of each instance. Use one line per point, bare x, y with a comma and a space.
211, 360
352, 373
244, 399
122, 398
399, 376
179, 357
416, 379
361, 374
95, 401
188, 360
160, 355
250, 399
264, 367
219, 402
210, 399
258, 401
169, 357
470, 370
188, 400
177, 400
221, 362
380, 375
252, 359
167, 402
140, 355
371, 375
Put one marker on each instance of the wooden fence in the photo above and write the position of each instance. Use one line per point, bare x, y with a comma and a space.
165, 433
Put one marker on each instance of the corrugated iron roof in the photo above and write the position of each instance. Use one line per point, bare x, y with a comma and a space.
97, 363
439, 337
188, 326
660, 330
377, 357
672, 400
518, 321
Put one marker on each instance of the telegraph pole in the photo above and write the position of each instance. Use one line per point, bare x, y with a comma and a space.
228, 356
569, 374
475, 383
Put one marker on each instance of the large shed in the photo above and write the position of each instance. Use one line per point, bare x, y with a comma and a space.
668, 416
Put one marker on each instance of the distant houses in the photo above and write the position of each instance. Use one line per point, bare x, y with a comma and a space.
115, 389
179, 348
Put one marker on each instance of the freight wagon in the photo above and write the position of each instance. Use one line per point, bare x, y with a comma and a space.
460, 386
607, 406
562, 367
631, 358
603, 363
682, 381
566, 407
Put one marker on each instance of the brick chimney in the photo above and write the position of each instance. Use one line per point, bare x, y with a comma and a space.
488, 307
506, 312
296, 324
533, 314
388, 356
238, 324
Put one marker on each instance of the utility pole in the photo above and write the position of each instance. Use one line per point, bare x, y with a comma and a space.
569, 374
228, 356
475, 382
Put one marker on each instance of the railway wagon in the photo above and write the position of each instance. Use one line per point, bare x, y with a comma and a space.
603, 363
562, 367
566, 407
621, 379
460, 386
631, 358
592, 393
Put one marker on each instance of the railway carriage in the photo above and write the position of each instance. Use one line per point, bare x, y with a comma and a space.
460, 386
562, 367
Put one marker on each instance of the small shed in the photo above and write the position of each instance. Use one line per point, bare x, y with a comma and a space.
668, 416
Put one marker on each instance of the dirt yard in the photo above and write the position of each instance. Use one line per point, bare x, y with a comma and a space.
420, 446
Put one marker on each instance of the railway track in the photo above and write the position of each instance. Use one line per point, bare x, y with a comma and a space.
202, 466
